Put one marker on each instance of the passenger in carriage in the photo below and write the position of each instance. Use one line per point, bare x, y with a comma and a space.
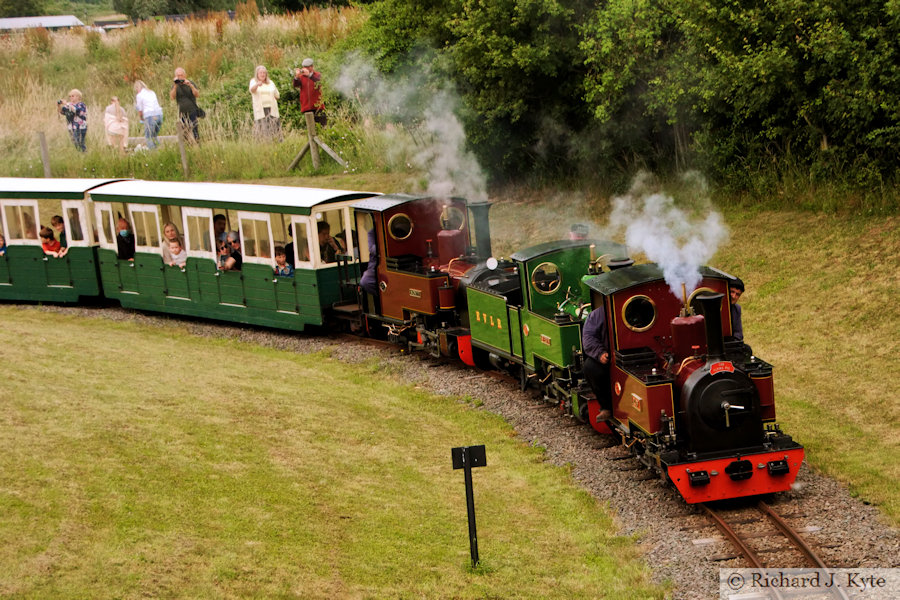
2, 245
222, 253
288, 248
59, 225
329, 247
49, 243
170, 234
177, 254
235, 259
282, 267
125, 241
219, 224
595, 342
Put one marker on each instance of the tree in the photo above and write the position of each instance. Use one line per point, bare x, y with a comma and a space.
21, 8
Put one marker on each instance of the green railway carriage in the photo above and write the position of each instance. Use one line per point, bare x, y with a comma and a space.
26, 272
264, 216
521, 317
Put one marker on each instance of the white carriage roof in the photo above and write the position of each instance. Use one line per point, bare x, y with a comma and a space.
240, 195
34, 187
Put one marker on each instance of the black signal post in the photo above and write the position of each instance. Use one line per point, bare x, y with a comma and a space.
465, 458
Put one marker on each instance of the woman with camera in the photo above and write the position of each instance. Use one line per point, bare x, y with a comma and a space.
185, 93
75, 112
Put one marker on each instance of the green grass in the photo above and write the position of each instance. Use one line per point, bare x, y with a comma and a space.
821, 304
140, 461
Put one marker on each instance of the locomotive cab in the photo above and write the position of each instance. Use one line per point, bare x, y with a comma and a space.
423, 247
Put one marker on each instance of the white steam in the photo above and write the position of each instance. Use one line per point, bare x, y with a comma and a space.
434, 139
678, 239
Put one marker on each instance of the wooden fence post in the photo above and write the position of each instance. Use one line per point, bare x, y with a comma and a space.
184, 161
311, 133
45, 153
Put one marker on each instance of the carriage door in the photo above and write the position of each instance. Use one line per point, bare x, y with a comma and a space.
258, 268
201, 263
148, 264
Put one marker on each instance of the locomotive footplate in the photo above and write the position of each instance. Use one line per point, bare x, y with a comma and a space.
736, 476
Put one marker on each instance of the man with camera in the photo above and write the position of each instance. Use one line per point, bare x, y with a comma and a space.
75, 113
307, 81
185, 93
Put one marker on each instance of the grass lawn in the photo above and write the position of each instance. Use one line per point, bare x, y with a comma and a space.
144, 462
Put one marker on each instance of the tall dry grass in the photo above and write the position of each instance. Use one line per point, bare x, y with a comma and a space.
218, 54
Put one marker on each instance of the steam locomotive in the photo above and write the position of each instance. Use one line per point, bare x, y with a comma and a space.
695, 405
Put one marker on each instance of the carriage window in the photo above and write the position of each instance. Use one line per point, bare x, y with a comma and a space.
546, 278
22, 222
695, 306
256, 240
74, 231
639, 313
300, 241
146, 227
109, 226
400, 226
337, 229
452, 218
198, 233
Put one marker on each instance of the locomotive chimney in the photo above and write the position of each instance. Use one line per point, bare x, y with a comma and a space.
482, 228
711, 308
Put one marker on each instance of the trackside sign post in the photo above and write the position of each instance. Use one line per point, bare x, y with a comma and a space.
465, 458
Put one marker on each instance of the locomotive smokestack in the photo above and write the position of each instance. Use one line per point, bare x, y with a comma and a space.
482, 228
711, 308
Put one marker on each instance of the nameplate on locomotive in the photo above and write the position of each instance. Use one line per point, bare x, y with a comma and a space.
415, 293
719, 367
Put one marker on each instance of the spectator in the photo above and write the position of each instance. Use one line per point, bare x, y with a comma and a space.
735, 291
149, 111
282, 267
235, 259
308, 83
329, 247
170, 234
49, 243
125, 241
595, 344
264, 95
115, 123
75, 112
177, 254
185, 93
59, 225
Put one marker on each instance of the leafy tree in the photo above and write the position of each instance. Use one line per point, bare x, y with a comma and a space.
21, 8
515, 63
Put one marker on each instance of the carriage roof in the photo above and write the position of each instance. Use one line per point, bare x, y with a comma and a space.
241, 196
44, 188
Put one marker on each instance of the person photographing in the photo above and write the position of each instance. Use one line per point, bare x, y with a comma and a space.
185, 93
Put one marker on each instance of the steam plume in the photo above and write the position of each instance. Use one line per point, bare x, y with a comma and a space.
427, 107
679, 240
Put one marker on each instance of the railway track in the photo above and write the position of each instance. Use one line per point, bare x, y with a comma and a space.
777, 526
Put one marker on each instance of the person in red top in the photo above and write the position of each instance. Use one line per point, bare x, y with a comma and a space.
49, 243
307, 81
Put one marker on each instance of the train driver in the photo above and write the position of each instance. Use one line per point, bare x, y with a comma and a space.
595, 342
735, 291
